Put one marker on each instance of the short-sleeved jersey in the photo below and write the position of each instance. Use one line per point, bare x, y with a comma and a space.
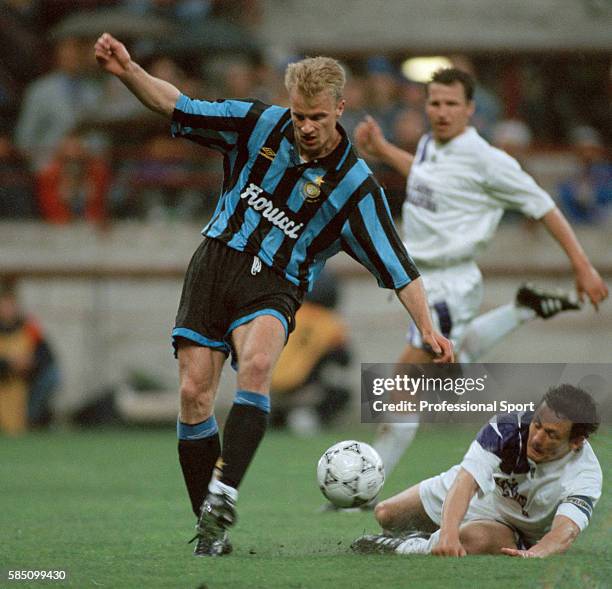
456, 195
527, 494
293, 215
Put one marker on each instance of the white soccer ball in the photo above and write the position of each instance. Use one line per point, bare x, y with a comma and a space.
350, 473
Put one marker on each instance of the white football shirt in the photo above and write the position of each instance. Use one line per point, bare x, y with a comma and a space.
456, 195
528, 495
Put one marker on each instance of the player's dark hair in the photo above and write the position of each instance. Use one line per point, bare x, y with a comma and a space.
575, 404
451, 75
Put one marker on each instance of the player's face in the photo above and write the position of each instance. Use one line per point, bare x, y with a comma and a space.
549, 436
448, 110
314, 120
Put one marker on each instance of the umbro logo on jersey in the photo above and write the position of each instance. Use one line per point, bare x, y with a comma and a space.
268, 153
264, 206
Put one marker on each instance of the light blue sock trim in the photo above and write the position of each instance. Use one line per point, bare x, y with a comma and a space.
258, 400
197, 431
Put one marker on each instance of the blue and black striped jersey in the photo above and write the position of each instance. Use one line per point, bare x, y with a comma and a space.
291, 214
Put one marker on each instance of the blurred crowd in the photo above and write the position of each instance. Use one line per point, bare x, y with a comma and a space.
74, 144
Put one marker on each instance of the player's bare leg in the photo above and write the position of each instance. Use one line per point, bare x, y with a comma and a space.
199, 445
407, 529
405, 523
199, 374
404, 512
258, 345
486, 330
477, 537
486, 537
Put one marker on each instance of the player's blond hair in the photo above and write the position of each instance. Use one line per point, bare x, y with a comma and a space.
314, 75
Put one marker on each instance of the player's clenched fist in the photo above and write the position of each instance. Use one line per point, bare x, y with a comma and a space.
112, 55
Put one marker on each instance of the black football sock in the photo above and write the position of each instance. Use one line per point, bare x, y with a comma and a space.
244, 429
198, 448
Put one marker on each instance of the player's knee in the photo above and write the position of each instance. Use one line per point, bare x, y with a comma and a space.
383, 513
195, 395
256, 368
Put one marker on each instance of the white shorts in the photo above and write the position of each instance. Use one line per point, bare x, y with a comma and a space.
454, 295
433, 492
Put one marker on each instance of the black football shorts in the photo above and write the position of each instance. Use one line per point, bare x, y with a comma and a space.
225, 288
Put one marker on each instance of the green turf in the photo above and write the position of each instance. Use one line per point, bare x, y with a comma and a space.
109, 507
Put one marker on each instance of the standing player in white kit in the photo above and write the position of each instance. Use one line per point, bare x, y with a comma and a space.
458, 189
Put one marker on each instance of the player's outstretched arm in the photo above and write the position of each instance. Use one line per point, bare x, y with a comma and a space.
588, 280
414, 299
372, 144
561, 536
157, 95
453, 511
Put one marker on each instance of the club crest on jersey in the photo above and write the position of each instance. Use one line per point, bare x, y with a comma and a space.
312, 190
255, 198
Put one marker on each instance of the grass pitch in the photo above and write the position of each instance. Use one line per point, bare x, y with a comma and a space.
109, 508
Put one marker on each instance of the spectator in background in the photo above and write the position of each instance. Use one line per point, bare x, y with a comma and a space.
355, 92
51, 12
20, 40
238, 79
165, 181
512, 136
55, 103
586, 196
408, 128
382, 95
383, 91
267, 81
29, 374
16, 183
74, 185
184, 12
244, 13
412, 95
